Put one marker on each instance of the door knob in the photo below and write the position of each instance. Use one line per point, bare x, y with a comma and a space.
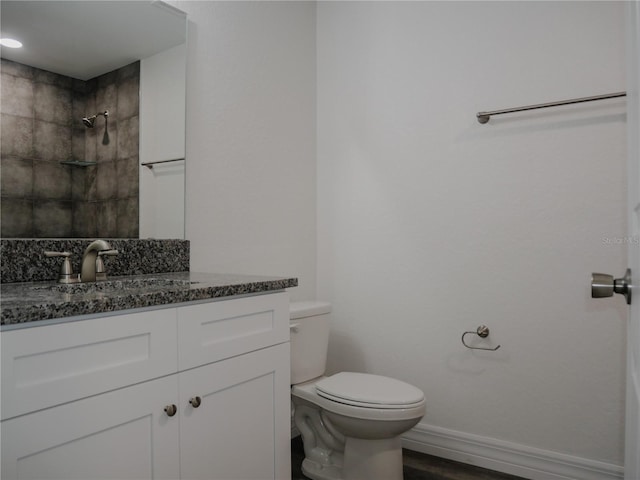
195, 401
603, 285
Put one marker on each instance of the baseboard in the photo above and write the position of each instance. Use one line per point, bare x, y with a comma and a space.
507, 457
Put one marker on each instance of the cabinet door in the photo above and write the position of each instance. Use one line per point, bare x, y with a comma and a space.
55, 364
241, 428
123, 434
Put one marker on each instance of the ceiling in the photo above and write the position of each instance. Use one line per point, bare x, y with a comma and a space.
84, 39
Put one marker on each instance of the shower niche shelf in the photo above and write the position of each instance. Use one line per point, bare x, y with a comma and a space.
78, 163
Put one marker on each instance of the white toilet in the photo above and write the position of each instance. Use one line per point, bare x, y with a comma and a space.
350, 422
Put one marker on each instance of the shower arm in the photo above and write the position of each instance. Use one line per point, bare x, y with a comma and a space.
88, 121
105, 114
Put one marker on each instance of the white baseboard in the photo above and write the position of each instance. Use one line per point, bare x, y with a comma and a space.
507, 457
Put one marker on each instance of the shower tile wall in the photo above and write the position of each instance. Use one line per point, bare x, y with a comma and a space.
41, 126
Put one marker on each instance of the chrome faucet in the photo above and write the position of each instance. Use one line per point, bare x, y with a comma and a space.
89, 258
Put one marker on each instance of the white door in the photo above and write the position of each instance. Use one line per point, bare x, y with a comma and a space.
632, 436
603, 285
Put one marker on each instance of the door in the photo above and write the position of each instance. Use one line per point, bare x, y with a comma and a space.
603, 285
632, 435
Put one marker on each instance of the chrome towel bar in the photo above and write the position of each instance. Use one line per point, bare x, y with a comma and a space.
483, 117
151, 164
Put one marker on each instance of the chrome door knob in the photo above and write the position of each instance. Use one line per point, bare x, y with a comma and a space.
195, 401
603, 285
170, 410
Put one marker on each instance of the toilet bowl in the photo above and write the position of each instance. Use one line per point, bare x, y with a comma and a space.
351, 423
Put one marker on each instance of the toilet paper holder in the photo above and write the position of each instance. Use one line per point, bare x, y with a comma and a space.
483, 332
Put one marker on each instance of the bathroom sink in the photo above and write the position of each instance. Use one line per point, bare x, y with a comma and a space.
122, 284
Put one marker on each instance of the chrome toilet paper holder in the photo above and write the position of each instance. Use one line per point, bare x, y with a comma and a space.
483, 332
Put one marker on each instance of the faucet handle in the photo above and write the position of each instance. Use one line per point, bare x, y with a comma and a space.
66, 270
48, 253
101, 273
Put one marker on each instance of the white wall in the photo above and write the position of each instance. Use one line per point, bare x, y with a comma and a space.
251, 139
430, 224
162, 137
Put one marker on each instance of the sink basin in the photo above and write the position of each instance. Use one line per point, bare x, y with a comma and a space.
144, 284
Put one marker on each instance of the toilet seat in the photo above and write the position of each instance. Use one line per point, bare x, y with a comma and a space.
308, 392
369, 391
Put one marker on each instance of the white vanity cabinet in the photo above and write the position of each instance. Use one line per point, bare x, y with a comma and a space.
196, 391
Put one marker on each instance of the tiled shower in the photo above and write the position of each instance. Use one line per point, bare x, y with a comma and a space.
42, 126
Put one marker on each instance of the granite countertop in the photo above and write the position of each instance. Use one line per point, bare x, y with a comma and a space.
32, 301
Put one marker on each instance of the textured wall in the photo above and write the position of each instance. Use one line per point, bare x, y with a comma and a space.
250, 175
430, 224
41, 126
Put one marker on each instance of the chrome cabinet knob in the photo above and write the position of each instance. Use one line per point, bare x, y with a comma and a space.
170, 410
603, 285
195, 401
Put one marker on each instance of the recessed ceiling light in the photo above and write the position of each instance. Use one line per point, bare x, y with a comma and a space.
10, 42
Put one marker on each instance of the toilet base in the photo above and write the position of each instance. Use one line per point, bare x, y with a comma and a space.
364, 459
317, 471
372, 459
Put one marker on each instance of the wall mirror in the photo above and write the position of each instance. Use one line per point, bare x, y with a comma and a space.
97, 90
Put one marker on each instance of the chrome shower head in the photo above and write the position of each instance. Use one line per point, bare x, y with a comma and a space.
89, 122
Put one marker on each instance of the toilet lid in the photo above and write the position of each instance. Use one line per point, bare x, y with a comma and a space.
366, 390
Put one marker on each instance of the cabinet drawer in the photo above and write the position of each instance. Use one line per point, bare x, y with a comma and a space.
50, 365
209, 332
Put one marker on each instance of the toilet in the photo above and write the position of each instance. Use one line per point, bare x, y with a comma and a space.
351, 423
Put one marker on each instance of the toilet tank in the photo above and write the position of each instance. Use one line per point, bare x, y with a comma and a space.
309, 326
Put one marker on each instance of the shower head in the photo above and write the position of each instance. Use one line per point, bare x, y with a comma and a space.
89, 122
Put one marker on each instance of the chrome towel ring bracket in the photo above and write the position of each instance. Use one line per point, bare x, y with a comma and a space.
483, 332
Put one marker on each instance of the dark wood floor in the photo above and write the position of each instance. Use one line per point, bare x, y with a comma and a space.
417, 466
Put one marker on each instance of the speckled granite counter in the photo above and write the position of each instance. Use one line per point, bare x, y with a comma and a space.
33, 301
